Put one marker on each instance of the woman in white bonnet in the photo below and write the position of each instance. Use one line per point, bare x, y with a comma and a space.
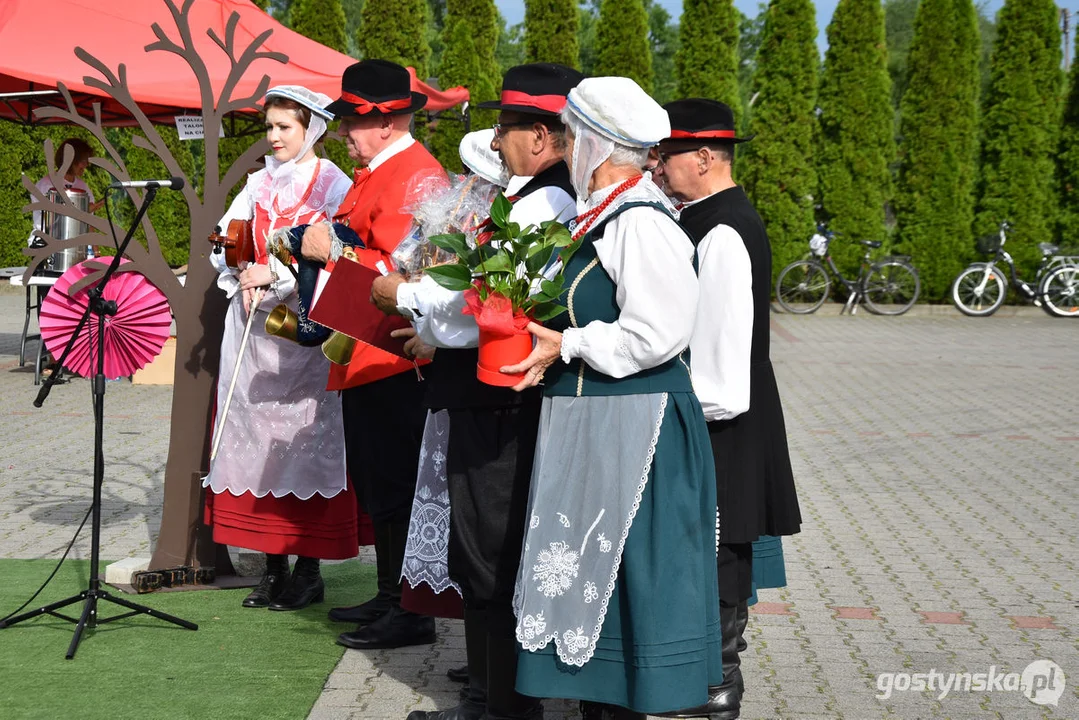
617, 598
278, 483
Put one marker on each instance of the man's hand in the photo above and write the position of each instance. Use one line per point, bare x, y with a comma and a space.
384, 292
316, 242
414, 347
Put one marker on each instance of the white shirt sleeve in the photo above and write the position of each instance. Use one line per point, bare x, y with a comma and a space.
650, 259
242, 208
436, 311
723, 336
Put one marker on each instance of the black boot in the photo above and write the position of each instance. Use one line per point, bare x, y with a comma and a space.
742, 621
304, 587
474, 695
503, 700
724, 700
367, 612
398, 627
459, 675
272, 583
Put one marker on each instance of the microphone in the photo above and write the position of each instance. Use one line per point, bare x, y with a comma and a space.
173, 183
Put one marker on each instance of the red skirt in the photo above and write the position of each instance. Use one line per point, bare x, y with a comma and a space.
324, 528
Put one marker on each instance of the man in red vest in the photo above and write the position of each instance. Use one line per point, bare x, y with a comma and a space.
380, 393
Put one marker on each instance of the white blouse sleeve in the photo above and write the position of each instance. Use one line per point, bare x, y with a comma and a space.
242, 208
650, 259
723, 336
342, 183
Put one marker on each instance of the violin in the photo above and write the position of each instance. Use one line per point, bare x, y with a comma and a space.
238, 243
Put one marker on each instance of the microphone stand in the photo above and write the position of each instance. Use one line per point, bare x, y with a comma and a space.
100, 307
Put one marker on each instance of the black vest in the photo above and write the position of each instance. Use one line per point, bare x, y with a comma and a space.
451, 377
731, 207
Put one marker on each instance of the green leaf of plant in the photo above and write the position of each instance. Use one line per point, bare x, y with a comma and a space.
500, 211
552, 288
560, 237
538, 258
499, 262
546, 310
452, 277
454, 242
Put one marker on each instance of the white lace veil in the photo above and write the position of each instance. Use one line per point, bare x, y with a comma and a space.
285, 183
590, 150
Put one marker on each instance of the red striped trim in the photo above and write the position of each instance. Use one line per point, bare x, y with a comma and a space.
679, 134
550, 103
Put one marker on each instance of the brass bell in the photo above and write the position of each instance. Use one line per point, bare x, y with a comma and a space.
283, 322
338, 348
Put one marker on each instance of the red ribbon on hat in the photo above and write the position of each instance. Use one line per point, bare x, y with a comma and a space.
550, 103
676, 134
365, 106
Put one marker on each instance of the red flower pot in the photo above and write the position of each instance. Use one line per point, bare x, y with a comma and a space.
497, 352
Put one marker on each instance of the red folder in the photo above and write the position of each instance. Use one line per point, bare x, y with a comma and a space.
345, 305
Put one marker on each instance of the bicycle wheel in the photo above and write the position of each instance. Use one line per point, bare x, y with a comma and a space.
891, 288
975, 295
802, 287
1060, 292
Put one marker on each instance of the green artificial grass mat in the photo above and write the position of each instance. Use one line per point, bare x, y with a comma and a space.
241, 663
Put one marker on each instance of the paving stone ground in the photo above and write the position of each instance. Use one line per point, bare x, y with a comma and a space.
937, 460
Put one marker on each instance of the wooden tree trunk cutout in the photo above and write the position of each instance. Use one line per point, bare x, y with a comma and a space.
198, 306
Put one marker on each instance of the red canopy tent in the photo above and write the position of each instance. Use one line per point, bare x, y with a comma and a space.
37, 50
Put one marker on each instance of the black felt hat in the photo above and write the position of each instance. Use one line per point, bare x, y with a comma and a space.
535, 88
376, 86
702, 119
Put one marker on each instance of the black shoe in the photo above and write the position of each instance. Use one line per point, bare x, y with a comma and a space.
397, 628
601, 711
304, 588
272, 583
458, 674
364, 613
464, 711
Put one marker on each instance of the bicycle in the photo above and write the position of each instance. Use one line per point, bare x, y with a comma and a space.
981, 288
888, 286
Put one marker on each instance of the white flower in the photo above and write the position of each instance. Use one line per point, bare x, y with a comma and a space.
534, 522
533, 626
604, 543
590, 592
555, 569
438, 457
575, 640
563, 519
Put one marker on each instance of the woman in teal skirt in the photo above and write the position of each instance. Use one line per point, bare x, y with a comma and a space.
617, 599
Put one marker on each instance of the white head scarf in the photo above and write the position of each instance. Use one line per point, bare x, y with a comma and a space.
602, 112
285, 182
477, 155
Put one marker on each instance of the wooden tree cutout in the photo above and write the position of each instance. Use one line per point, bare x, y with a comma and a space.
198, 306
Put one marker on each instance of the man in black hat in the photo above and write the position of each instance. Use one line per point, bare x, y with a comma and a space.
381, 396
493, 430
732, 373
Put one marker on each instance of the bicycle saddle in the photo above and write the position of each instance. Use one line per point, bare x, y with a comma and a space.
1048, 248
871, 243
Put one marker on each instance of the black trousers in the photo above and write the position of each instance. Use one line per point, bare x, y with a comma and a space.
735, 565
383, 432
489, 470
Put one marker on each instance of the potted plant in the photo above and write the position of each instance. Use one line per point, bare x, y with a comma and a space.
500, 267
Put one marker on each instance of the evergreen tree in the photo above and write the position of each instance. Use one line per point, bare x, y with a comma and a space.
707, 59
551, 32
510, 50
857, 141
588, 17
939, 142
262, 4
777, 169
622, 42
395, 30
899, 31
1068, 160
469, 39
1020, 128
321, 20
663, 39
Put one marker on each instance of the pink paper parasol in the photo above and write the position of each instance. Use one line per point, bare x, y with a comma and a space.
133, 336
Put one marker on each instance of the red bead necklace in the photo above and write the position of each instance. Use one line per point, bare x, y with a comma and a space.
585, 220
